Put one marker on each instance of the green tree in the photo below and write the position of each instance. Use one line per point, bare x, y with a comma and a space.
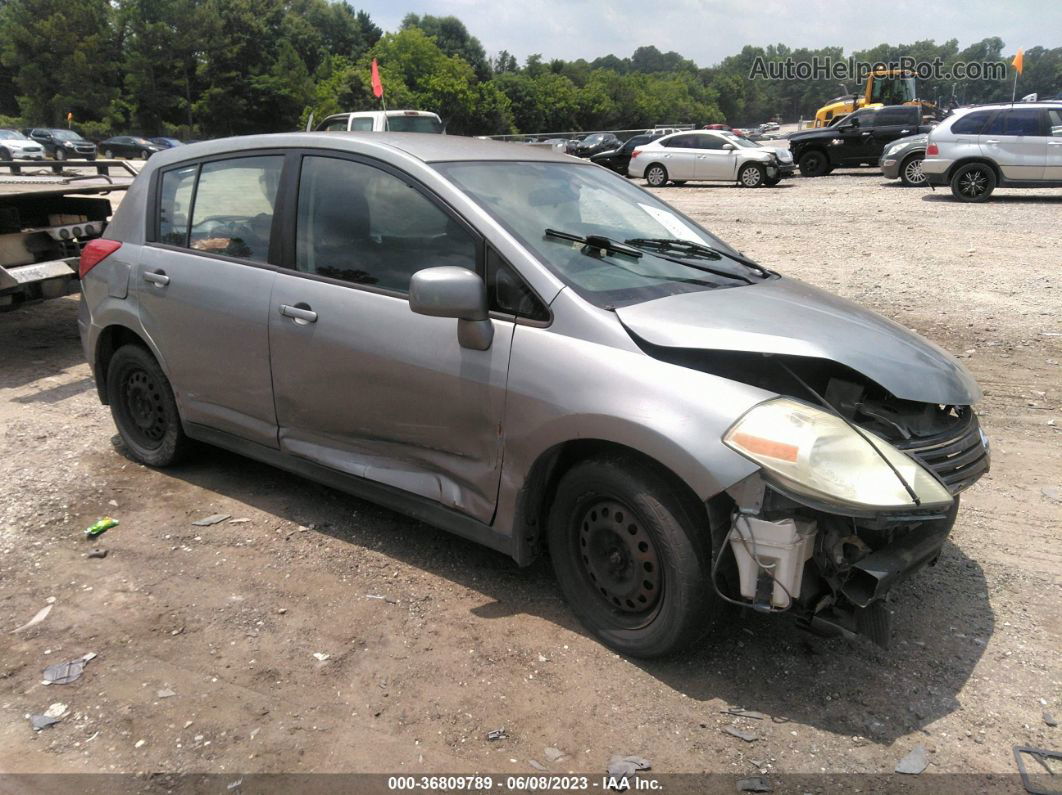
61, 55
453, 38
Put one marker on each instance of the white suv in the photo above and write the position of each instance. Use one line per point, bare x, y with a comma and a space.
1007, 145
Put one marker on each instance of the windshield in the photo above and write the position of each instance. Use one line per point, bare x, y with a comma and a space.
67, 135
529, 198
737, 140
418, 124
594, 139
11, 135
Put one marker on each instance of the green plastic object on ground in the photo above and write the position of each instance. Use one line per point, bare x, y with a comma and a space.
100, 527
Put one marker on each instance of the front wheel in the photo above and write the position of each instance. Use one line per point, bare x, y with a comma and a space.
814, 164
144, 154
5, 154
752, 175
911, 173
973, 183
656, 176
143, 407
60, 154
630, 557
109, 154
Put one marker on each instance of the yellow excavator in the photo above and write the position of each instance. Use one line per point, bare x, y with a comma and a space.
883, 87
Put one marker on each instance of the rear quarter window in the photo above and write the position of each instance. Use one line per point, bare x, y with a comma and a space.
971, 123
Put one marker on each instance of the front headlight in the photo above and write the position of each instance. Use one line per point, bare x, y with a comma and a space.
68, 145
892, 150
817, 454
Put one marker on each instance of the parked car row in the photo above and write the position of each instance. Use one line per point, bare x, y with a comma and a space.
37, 143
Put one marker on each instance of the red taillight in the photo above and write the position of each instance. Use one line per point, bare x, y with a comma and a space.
95, 252
635, 153
932, 149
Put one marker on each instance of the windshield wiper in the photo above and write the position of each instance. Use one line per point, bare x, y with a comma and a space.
694, 249
597, 241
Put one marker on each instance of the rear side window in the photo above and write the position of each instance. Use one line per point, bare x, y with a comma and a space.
1025, 121
681, 142
366, 226
971, 123
336, 125
232, 212
898, 115
175, 205
1054, 119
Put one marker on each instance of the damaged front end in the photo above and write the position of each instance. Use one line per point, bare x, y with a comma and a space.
830, 552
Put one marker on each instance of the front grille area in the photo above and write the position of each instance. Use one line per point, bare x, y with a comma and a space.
958, 458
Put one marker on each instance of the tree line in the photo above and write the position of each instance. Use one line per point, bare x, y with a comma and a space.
205, 68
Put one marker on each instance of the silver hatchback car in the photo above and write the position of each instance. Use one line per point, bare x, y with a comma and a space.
530, 352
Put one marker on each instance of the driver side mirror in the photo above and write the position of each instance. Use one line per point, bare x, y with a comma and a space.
729, 147
450, 291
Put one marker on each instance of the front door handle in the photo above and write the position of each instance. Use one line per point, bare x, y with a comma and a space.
300, 313
157, 278
1054, 143
991, 141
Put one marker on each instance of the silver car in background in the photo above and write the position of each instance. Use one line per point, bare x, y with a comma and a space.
978, 149
710, 156
902, 159
535, 354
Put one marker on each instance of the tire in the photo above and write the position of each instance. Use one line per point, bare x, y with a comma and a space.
109, 154
752, 175
656, 176
144, 154
59, 154
911, 173
770, 182
814, 164
678, 182
144, 409
973, 182
630, 558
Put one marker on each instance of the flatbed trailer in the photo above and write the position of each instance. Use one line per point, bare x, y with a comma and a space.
48, 212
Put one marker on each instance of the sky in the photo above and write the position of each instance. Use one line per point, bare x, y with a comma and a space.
706, 31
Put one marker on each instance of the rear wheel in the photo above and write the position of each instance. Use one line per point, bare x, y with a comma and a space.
752, 175
814, 164
911, 173
144, 154
109, 154
973, 182
630, 557
143, 407
5, 154
656, 176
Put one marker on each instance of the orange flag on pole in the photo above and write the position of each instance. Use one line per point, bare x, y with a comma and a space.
1018, 60
377, 86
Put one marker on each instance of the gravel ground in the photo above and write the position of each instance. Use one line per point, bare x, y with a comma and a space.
315, 632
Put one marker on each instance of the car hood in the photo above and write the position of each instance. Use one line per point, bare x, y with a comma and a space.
787, 316
811, 135
18, 143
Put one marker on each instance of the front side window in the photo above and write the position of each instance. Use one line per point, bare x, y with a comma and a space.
508, 293
865, 118
1054, 119
336, 125
233, 209
361, 125
360, 224
710, 142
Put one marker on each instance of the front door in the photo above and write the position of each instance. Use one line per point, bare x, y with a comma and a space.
714, 162
857, 138
363, 385
1016, 140
204, 292
1054, 145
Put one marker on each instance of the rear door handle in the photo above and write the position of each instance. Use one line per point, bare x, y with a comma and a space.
300, 314
157, 278
1054, 143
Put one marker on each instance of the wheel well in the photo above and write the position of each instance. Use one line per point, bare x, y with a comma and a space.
655, 163
967, 161
111, 339
537, 492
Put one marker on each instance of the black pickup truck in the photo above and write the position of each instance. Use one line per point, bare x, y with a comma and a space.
857, 140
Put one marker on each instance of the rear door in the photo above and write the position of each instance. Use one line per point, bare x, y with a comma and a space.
891, 123
1018, 143
680, 156
204, 285
363, 385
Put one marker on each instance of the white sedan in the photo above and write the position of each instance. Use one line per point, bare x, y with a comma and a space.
709, 155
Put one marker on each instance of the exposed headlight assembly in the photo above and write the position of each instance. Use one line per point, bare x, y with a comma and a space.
817, 454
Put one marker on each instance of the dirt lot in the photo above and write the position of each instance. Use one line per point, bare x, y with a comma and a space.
206, 636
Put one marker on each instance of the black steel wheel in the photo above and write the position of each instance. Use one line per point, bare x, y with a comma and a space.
143, 407
973, 182
631, 555
814, 164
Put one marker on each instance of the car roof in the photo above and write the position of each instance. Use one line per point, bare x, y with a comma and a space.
427, 147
